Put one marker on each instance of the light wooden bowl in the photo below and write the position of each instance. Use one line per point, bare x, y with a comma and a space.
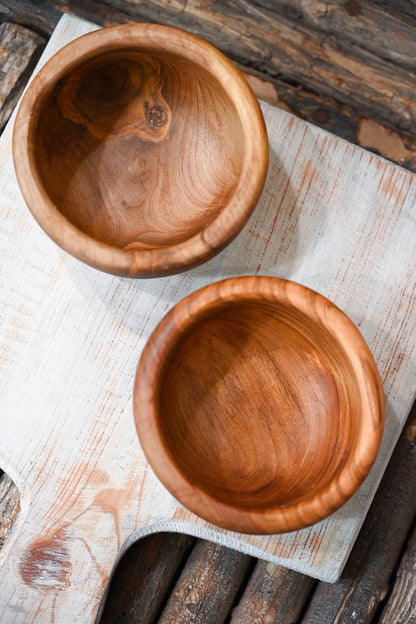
140, 149
258, 405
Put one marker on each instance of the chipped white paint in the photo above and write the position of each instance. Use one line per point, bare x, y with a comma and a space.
332, 217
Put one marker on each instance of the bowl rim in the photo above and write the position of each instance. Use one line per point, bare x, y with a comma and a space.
157, 261
157, 351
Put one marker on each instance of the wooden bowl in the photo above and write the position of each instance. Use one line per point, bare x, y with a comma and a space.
258, 405
140, 149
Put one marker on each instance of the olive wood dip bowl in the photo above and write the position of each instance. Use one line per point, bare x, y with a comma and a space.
140, 149
258, 405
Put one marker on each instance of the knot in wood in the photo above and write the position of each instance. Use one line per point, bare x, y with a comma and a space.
156, 116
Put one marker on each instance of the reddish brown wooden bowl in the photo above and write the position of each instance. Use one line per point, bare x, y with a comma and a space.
258, 405
140, 149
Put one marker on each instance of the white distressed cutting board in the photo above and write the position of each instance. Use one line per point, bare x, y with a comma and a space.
332, 216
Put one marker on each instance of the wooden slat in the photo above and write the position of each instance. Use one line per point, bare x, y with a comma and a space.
322, 46
365, 581
402, 8
9, 506
303, 46
44, 16
281, 35
274, 595
20, 49
341, 120
208, 585
351, 22
143, 578
401, 605
38, 16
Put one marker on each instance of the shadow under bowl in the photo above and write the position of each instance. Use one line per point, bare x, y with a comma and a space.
140, 149
258, 405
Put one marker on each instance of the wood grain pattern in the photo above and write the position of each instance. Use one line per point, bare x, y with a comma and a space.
141, 150
299, 42
190, 601
273, 595
259, 405
380, 30
75, 335
401, 608
9, 506
20, 49
118, 94
141, 583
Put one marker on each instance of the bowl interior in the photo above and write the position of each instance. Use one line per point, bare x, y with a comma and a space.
258, 406
138, 148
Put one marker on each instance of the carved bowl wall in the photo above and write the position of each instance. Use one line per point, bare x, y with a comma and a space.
140, 149
259, 405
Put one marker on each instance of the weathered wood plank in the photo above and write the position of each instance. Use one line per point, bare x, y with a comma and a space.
274, 595
274, 42
337, 23
365, 580
44, 16
341, 120
41, 17
356, 53
370, 27
402, 8
143, 578
20, 49
401, 605
208, 585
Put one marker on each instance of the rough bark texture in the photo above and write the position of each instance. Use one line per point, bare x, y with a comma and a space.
401, 605
336, 64
20, 48
143, 578
207, 587
274, 595
9, 506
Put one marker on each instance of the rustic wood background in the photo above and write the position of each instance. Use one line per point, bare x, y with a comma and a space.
349, 67
346, 65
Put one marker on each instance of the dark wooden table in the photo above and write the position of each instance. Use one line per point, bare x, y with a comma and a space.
349, 67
